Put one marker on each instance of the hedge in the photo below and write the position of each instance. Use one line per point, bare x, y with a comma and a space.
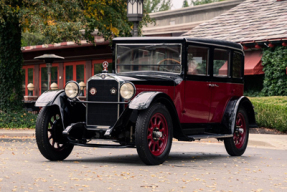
271, 112
21, 119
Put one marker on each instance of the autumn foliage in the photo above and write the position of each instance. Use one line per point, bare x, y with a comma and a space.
58, 21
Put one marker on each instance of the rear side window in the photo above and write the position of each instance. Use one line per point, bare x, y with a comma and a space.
220, 63
237, 65
197, 60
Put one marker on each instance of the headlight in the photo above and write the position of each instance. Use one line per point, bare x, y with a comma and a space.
127, 91
72, 89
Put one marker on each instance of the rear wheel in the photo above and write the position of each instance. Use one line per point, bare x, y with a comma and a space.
153, 134
236, 145
50, 140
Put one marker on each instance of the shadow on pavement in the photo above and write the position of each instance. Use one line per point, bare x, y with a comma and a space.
177, 159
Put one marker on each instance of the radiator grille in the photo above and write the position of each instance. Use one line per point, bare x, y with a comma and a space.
102, 114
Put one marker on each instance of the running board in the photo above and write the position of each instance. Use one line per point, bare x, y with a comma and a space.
101, 145
207, 136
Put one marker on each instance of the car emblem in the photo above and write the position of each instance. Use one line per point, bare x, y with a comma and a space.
105, 66
113, 91
103, 76
93, 91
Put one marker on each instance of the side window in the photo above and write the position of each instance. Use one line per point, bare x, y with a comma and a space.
237, 65
220, 62
197, 58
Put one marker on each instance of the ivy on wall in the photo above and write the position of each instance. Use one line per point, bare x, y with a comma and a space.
274, 61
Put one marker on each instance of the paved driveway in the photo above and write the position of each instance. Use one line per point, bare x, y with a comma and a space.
190, 167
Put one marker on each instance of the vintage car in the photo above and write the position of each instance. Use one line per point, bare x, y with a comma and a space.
159, 89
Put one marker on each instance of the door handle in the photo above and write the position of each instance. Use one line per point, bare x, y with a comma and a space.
213, 85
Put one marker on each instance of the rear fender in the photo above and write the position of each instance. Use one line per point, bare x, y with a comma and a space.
71, 112
229, 117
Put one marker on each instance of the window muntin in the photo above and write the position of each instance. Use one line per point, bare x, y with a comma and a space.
148, 57
30, 80
220, 63
69, 73
197, 60
44, 78
237, 65
80, 74
54, 75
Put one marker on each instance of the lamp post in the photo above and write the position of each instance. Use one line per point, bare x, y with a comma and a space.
49, 59
135, 14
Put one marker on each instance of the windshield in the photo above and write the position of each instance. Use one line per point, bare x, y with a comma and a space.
148, 57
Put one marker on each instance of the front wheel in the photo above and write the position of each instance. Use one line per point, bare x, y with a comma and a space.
153, 134
236, 145
50, 140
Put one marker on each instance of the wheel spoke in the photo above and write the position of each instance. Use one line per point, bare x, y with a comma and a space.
149, 144
149, 136
239, 122
154, 122
157, 145
153, 146
159, 123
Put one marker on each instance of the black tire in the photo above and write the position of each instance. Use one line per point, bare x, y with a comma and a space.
236, 145
50, 140
153, 143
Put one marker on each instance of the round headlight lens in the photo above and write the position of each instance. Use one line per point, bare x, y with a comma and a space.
127, 91
72, 89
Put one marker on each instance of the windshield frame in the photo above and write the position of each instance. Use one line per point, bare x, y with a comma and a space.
148, 44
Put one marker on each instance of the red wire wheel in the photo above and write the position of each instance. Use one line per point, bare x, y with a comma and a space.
239, 135
153, 134
236, 145
157, 134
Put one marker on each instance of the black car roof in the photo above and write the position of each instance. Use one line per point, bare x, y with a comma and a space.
186, 39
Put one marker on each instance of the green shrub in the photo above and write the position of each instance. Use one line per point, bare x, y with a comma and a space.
21, 119
271, 112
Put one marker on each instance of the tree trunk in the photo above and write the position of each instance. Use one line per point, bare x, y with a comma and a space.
11, 60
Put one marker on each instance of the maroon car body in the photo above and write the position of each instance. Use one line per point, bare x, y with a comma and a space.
159, 88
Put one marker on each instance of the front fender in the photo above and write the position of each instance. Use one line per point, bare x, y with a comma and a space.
47, 97
143, 100
71, 112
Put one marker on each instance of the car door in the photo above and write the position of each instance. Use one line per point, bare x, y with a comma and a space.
197, 93
222, 88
